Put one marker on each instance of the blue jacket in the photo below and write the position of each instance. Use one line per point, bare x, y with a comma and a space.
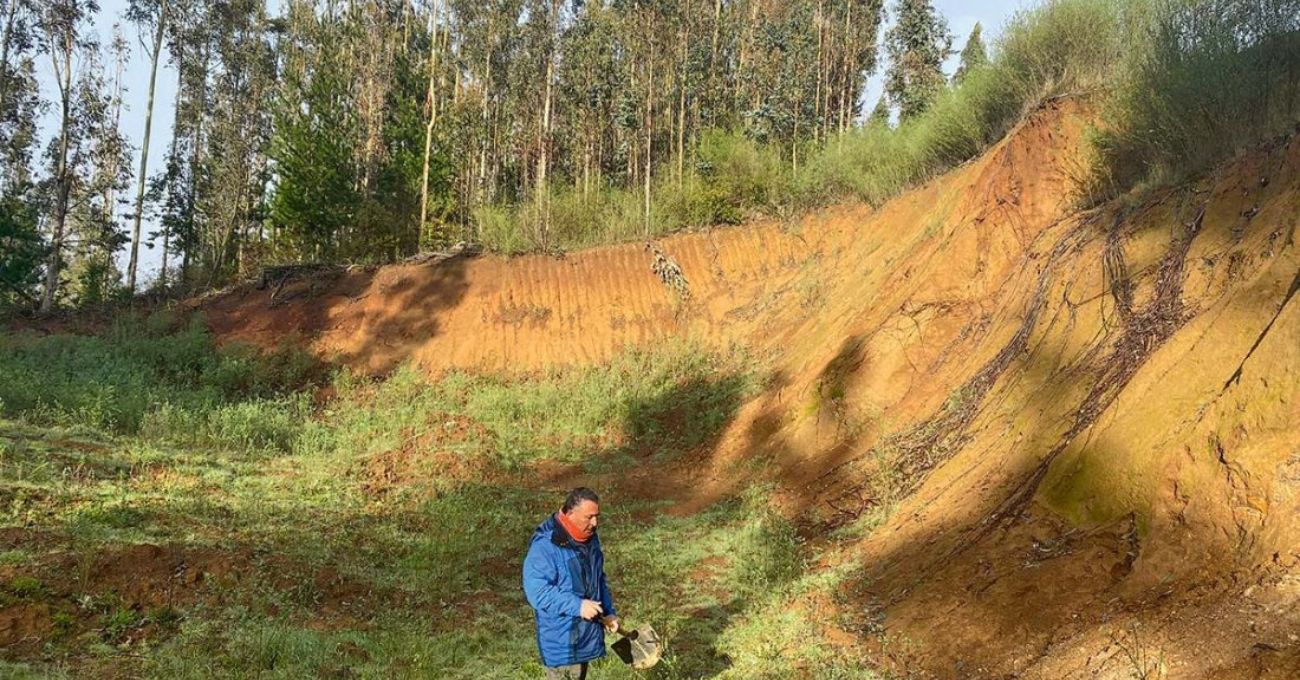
559, 573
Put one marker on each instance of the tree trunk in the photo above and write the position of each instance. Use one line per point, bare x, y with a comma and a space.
713, 60
61, 181
681, 95
162, 271
848, 70
196, 164
544, 150
541, 191
649, 136
433, 119
487, 131
177, 122
109, 213
4, 51
144, 148
817, 97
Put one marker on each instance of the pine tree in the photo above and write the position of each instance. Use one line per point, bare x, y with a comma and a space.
917, 45
316, 193
973, 55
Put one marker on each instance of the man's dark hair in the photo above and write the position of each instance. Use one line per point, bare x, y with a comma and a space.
577, 496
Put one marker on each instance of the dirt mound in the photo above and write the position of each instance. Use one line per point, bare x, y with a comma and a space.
126, 595
139, 576
24, 624
122, 595
1083, 419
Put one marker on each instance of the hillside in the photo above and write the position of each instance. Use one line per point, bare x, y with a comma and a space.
978, 432
1075, 427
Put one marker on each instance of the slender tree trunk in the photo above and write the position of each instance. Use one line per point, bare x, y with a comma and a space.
196, 168
109, 213
817, 97
4, 51
144, 148
586, 168
681, 96
162, 271
794, 140
433, 116
713, 60
62, 183
177, 122
745, 45
544, 151
487, 132
847, 74
649, 135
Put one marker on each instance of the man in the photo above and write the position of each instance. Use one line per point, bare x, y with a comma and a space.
564, 580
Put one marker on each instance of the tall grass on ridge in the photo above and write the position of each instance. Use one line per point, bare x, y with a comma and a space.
1201, 80
1181, 84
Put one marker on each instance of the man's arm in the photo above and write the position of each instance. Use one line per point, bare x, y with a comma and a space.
540, 587
606, 597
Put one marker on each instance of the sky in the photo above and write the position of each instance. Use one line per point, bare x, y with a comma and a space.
961, 15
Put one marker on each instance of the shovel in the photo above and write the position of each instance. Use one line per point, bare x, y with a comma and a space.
639, 648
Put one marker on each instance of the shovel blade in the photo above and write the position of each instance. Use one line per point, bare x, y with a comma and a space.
639, 648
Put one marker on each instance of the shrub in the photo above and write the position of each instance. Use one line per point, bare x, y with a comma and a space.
138, 372
1200, 81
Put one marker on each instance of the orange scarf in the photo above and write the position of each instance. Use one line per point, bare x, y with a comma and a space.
574, 532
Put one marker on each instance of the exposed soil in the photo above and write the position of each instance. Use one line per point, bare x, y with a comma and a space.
423, 462
1085, 419
78, 590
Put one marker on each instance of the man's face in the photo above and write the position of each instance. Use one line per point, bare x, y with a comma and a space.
585, 515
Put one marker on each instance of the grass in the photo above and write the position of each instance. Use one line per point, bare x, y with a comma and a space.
1061, 46
1181, 85
376, 534
144, 370
1201, 81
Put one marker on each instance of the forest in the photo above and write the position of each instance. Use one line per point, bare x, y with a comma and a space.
367, 132
995, 374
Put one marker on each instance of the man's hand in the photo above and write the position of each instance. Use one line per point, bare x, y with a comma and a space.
591, 610
610, 623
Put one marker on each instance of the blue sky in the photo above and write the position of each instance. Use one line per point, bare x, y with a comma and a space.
961, 14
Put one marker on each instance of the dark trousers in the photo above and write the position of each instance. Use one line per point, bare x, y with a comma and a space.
577, 671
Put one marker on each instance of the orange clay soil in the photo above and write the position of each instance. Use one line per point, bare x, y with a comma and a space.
1087, 423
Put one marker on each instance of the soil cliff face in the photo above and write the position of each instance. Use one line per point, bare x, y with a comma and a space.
1087, 423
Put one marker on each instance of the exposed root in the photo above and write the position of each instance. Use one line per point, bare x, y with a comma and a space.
1144, 332
912, 454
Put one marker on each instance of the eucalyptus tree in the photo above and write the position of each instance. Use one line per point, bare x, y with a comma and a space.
973, 55
62, 28
151, 19
917, 44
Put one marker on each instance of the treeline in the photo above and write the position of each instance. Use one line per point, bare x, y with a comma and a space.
366, 131
369, 131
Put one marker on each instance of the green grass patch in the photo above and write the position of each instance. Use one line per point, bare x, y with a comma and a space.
380, 534
118, 382
1199, 82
